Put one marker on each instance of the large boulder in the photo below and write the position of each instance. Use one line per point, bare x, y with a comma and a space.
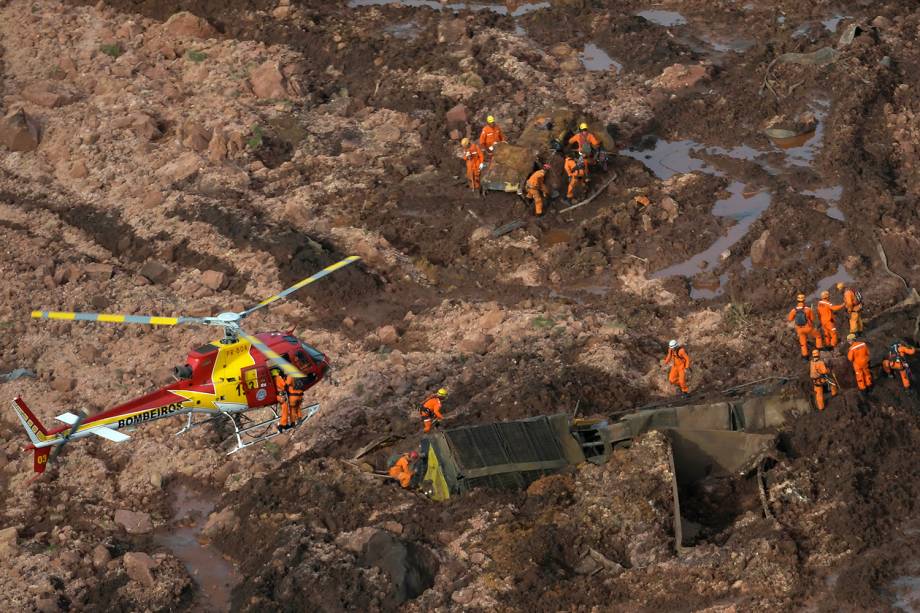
267, 81
764, 250
134, 522
50, 94
187, 25
19, 132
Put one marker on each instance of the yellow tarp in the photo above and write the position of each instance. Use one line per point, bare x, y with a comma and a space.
439, 488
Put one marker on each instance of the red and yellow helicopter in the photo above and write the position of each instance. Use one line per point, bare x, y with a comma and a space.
226, 377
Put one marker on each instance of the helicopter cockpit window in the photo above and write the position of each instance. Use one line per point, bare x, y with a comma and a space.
313, 353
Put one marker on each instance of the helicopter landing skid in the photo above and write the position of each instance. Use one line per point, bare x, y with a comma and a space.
245, 437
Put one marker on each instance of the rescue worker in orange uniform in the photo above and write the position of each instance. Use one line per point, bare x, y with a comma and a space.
852, 298
430, 411
491, 134
826, 312
586, 143
804, 321
858, 355
474, 162
821, 378
537, 189
577, 172
290, 394
896, 361
680, 362
404, 468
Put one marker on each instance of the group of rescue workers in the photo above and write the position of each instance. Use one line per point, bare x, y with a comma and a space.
585, 153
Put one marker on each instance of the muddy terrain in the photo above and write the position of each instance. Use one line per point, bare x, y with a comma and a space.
188, 158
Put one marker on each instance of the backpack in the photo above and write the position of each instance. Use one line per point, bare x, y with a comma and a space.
800, 318
857, 295
893, 354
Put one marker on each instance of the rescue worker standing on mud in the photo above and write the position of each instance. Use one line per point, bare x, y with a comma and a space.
474, 162
858, 355
822, 379
586, 143
804, 321
852, 299
680, 363
290, 394
491, 134
430, 411
537, 189
577, 173
404, 468
897, 361
826, 312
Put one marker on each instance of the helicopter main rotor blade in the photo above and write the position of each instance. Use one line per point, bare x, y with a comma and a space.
275, 359
284, 294
152, 320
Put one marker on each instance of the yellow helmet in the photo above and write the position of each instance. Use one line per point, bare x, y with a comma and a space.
840, 285
800, 297
582, 126
851, 337
490, 119
464, 142
442, 393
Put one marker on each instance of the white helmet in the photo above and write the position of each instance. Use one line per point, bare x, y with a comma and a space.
672, 344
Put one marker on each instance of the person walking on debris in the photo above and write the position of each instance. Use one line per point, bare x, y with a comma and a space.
537, 189
404, 468
821, 378
858, 355
804, 321
577, 173
474, 162
852, 299
680, 363
290, 395
586, 144
430, 410
491, 134
826, 312
897, 361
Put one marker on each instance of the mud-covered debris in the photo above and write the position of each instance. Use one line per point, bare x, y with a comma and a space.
8, 538
267, 81
680, 76
187, 25
16, 373
139, 567
134, 522
19, 132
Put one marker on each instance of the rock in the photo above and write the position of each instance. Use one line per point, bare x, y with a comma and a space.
764, 249
101, 556
195, 136
145, 126
707, 280
356, 540
8, 544
562, 50
154, 271
477, 342
180, 169
187, 25
456, 117
47, 605
221, 522
881, 22
98, 271
19, 132
153, 198
134, 522
63, 384
670, 207
387, 134
156, 480
138, 565
388, 335
680, 76
454, 134
213, 279
491, 319
50, 94
570, 64
78, 170
217, 148
392, 526
471, 79
267, 81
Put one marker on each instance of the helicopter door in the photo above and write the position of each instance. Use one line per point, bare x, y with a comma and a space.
259, 388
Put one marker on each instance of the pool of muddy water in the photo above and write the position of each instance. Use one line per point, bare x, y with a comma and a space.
596, 59
214, 575
501, 9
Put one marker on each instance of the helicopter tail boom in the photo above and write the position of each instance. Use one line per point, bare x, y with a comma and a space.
37, 432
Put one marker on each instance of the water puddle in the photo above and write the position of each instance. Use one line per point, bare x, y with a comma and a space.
906, 594
831, 195
720, 45
801, 150
214, 576
832, 22
501, 9
828, 282
406, 31
596, 59
663, 18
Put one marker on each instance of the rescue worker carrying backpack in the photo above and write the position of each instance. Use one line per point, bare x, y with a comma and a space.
897, 361
430, 411
853, 300
804, 321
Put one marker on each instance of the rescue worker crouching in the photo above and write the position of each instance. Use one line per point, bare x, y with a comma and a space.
404, 468
822, 379
804, 321
474, 163
897, 361
537, 189
858, 355
578, 175
680, 363
290, 392
431, 409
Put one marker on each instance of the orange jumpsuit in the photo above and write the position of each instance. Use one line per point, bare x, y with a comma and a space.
537, 190
853, 308
576, 176
490, 135
897, 362
807, 330
474, 159
858, 355
826, 312
680, 362
587, 144
290, 398
429, 411
820, 375
402, 471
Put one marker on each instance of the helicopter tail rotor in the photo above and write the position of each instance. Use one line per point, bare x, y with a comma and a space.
78, 420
